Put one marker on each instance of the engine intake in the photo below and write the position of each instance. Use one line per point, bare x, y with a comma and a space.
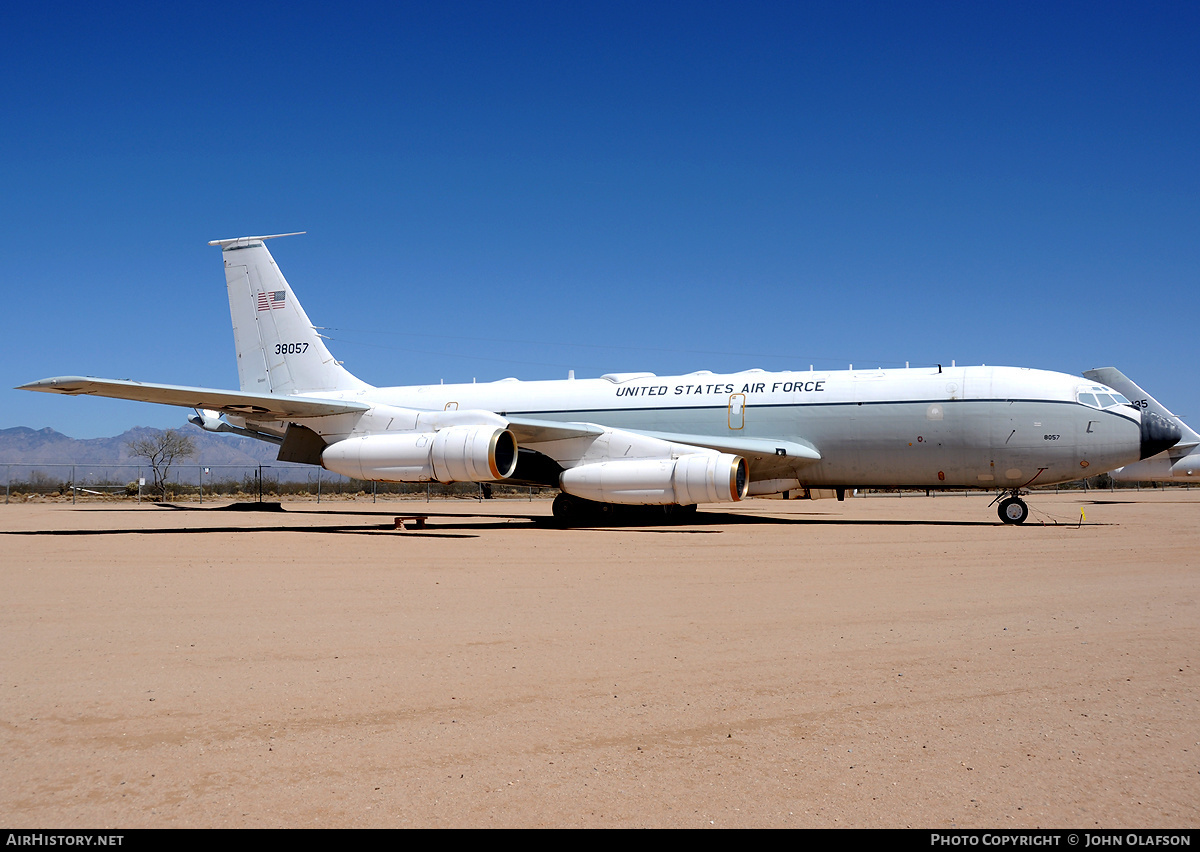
454, 454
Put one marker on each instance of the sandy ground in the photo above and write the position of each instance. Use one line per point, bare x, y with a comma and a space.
879, 662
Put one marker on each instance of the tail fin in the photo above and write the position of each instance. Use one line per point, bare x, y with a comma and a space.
1119, 382
278, 349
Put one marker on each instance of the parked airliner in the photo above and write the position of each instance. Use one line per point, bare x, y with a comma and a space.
642, 439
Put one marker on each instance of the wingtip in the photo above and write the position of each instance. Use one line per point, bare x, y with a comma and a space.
58, 384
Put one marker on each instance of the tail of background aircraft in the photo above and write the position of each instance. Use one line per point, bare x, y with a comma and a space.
269, 323
1121, 383
1180, 463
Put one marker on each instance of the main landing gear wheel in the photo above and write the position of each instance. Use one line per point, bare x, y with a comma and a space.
1013, 510
569, 510
577, 511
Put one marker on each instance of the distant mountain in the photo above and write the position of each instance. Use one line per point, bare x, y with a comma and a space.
28, 448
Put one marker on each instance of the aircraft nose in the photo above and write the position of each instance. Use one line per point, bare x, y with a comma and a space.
1158, 434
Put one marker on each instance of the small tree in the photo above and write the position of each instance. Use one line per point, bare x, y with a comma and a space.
161, 451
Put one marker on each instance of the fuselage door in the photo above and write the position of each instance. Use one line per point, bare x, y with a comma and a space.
737, 410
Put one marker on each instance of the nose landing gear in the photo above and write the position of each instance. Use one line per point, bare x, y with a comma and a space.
1012, 509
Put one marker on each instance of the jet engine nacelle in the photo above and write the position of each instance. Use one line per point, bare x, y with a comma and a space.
699, 478
454, 454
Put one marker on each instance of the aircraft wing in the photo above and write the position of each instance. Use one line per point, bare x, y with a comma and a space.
252, 405
768, 457
531, 431
753, 449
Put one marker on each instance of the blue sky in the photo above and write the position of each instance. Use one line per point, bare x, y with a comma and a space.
522, 189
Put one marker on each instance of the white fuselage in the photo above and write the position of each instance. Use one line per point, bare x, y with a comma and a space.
964, 427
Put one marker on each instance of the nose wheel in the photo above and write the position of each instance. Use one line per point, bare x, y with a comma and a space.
1013, 510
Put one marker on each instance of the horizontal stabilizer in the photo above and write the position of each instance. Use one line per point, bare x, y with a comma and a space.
244, 242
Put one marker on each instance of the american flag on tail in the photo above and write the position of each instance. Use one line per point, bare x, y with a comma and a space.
271, 301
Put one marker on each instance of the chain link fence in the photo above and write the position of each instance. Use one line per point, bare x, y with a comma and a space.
197, 483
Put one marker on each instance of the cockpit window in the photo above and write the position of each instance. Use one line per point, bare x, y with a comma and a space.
1099, 397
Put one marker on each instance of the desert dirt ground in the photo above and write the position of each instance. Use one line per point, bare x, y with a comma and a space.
873, 663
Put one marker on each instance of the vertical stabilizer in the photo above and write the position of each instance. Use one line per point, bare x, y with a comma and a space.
278, 349
1122, 384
